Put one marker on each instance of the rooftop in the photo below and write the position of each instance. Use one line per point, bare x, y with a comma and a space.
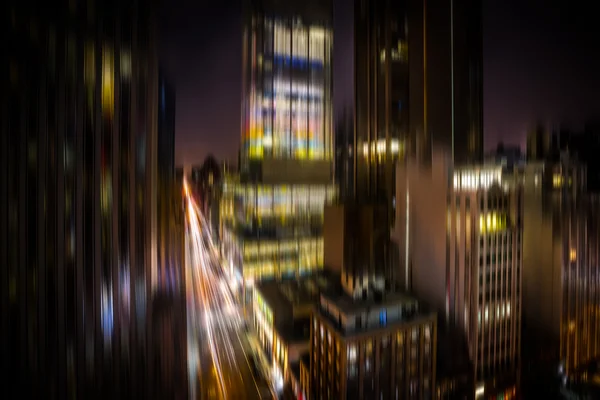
349, 305
297, 292
376, 310
298, 332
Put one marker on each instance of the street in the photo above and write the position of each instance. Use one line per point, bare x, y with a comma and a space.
222, 368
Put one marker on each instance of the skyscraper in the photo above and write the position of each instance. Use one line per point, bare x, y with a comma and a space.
274, 224
418, 85
287, 82
560, 263
169, 226
460, 232
78, 172
166, 127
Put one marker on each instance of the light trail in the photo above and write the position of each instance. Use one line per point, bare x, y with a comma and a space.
199, 284
215, 311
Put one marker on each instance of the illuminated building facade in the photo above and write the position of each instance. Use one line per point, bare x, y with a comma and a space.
381, 345
272, 214
560, 282
281, 319
287, 83
273, 230
78, 171
460, 233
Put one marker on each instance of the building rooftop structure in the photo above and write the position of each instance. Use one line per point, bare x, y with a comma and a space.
375, 309
293, 298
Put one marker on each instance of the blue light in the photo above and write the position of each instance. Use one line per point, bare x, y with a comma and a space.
297, 62
107, 313
383, 317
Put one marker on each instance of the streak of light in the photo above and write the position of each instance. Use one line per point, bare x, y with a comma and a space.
214, 310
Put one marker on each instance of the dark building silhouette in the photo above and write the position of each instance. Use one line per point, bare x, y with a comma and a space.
344, 155
418, 85
538, 143
546, 145
509, 155
78, 162
166, 127
210, 189
169, 214
170, 370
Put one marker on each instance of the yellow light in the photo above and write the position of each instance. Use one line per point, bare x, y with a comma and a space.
573, 255
301, 153
557, 180
108, 83
492, 222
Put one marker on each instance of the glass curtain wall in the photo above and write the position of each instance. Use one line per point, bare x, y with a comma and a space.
289, 94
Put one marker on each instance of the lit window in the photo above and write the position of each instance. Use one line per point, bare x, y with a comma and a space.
573, 255
383, 317
108, 84
557, 180
352, 353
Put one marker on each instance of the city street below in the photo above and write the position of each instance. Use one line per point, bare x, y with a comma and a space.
221, 364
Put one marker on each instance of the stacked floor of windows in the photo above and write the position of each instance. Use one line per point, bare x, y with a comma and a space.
499, 285
289, 107
274, 230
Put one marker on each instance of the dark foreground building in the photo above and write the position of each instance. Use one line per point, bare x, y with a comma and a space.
170, 375
77, 184
418, 85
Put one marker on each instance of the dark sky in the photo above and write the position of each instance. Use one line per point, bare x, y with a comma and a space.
541, 62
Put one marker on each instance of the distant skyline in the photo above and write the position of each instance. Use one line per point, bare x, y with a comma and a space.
540, 64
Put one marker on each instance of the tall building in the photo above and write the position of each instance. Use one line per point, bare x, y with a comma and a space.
355, 241
169, 219
78, 186
274, 211
379, 345
561, 244
344, 156
460, 233
166, 127
170, 363
418, 85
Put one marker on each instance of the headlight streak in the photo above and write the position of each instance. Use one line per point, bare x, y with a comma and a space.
215, 303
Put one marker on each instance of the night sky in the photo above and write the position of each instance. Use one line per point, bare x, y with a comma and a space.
541, 63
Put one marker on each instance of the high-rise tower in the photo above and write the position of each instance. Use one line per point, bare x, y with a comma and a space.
418, 85
273, 215
77, 183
